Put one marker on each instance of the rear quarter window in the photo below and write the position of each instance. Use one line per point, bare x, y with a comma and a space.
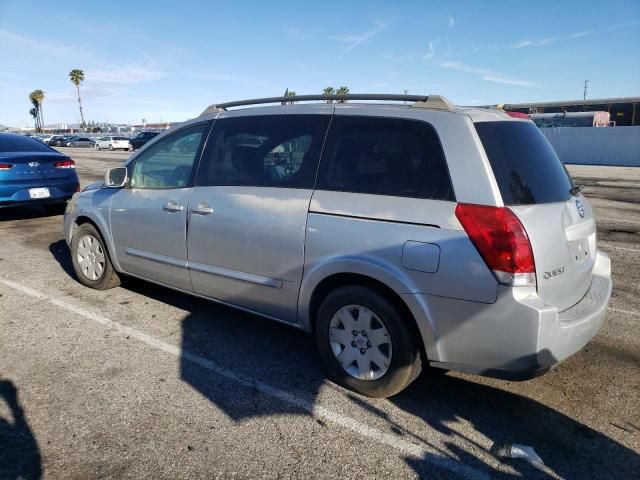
384, 156
524, 163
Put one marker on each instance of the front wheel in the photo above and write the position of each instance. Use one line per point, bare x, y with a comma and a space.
366, 343
131, 149
111, 147
91, 260
97, 147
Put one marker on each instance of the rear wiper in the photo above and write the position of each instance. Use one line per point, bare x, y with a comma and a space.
576, 190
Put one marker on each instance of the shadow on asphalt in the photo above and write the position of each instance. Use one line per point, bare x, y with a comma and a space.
255, 348
26, 213
19, 452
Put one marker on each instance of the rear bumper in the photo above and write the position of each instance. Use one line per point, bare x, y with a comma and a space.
17, 196
519, 336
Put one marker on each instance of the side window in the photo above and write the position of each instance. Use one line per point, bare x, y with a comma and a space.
384, 156
169, 163
264, 151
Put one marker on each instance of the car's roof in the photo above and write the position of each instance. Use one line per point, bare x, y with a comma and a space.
477, 114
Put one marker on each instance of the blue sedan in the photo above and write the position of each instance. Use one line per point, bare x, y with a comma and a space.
32, 173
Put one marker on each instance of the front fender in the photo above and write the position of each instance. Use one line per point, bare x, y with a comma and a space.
95, 206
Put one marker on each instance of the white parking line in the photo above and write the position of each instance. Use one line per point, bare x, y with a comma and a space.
617, 219
407, 448
625, 312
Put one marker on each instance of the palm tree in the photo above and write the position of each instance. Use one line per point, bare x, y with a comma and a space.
38, 95
77, 77
327, 92
34, 113
342, 91
290, 93
36, 108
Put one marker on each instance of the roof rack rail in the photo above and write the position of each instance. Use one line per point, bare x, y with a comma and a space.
435, 102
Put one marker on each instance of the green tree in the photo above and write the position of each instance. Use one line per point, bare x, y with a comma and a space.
328, 92
342, 91
291, 93
38, 95
77, 77
34, 113
36, 107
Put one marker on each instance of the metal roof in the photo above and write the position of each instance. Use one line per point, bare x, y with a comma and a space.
573, 103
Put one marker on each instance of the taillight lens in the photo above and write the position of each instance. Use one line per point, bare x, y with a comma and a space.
68, 163
502, 242
5, 166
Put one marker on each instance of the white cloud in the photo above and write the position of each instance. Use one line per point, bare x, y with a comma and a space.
124, 74
432, 49
487, 74
452, 21
355, 40
16, 41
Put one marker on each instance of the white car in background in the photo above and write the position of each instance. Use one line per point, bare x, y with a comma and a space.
112, 143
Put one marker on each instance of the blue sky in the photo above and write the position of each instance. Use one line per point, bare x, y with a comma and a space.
169, 60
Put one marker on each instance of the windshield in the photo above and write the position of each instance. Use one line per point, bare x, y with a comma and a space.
526, 167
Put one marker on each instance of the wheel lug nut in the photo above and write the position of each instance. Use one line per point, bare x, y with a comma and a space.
355, 333
353, 344
362, 350
364, 333
368, 344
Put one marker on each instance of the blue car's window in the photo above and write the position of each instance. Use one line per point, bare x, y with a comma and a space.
10, 142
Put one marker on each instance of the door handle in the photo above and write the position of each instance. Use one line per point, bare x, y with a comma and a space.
172, 207
202, 209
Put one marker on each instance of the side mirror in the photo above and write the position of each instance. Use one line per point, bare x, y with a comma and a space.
115, 177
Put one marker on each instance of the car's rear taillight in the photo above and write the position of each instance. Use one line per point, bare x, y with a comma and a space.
67, 163
5, 166
502, 242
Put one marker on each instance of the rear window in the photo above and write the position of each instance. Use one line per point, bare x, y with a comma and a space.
526, 167
384, 156
10, 142
120, 138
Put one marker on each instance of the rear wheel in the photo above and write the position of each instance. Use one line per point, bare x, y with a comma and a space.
365, 342
97, 147
131, 149
91, 260
111, 147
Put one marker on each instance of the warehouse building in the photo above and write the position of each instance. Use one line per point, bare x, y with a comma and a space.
624, 111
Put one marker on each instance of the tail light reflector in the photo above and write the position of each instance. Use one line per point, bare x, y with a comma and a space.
5, 166
67, 163
501, 240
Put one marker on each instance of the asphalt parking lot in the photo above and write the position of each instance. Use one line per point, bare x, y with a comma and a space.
144, 382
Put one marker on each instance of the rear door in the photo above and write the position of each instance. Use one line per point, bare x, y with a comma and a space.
248, 210
536, 186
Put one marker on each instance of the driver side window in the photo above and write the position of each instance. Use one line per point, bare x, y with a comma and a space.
169, 163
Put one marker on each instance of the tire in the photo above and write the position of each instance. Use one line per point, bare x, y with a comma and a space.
108, 277
401, 346
55, 208
97, 147
111, 147
131, 149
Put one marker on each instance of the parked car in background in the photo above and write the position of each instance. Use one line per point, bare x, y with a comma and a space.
80, 142
112, 143
139, 140
59, 140
53, 139
34, 173
399, 234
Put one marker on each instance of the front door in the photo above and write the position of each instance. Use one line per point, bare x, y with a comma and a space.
149, 217
248, 210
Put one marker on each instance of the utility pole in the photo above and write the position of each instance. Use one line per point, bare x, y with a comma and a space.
586, 86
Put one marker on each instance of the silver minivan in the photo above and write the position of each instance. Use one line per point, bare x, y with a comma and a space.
399, 234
